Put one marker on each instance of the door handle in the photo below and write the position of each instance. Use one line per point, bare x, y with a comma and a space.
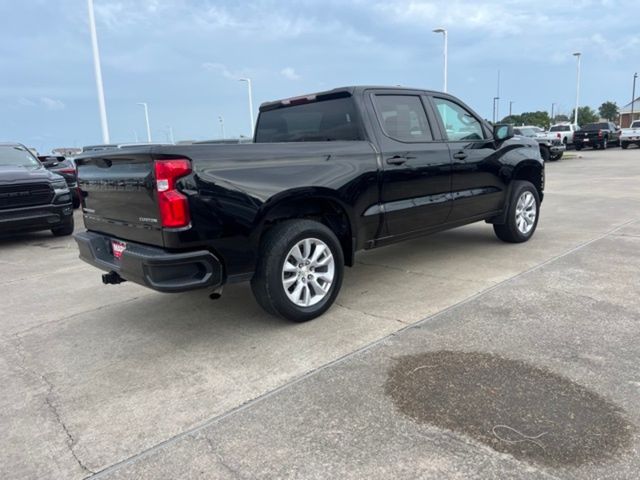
460, 156
399, 159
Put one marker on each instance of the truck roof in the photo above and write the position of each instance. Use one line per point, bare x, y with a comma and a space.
339, 92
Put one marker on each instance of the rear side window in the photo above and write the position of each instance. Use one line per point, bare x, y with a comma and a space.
459, 123
560, 128
403, 118
326, 120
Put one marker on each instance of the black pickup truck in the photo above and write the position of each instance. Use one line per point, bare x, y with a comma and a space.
596, 135
328, 174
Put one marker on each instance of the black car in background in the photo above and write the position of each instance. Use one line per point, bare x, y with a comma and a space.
32, 198
65, 167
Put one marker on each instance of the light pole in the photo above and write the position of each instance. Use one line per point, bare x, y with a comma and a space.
633, 97
221, 120
170, 130
446, 61
578, 55
146, 117
98, 71
495, 110
553, 106
511, 102
248, 80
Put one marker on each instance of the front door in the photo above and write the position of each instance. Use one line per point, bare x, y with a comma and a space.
477, 187
416, 169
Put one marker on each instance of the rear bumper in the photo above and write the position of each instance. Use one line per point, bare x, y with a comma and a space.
29, 219
152, 267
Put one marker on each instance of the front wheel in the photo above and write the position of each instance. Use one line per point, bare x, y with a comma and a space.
556, 157
578, 148
545, 153
624, 145
299, 271
522, 214
64, 230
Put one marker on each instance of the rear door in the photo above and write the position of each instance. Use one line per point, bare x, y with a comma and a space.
476, 185
416, 168
119, 197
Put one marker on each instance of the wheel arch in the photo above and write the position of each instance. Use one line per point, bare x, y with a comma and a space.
320, 204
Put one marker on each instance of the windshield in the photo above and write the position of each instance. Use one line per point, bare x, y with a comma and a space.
15, 155
596, 126
559, 128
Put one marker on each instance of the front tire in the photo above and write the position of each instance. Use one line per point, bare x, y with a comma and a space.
556, 157
624, 145
64, 230
522, 214
545, 153
299, 271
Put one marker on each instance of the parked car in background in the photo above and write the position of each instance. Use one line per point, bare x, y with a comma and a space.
631, 135
562, 131
31, 197
596, 135
328, 174
551, 149
67, 168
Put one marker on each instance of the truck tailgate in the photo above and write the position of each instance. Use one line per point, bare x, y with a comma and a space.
119, 197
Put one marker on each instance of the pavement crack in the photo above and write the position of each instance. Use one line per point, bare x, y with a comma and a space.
220, 459
382, 317
48, 400
413, 272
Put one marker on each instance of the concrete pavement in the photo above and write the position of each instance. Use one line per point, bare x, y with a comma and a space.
131, 383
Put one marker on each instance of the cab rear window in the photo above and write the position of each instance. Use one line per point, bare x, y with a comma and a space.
318, 121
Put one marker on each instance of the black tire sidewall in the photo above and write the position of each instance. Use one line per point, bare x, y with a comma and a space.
516, 236
274, 262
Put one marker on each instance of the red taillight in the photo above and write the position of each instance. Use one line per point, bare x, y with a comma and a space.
174, 208
599, 133
558, 135
66, 170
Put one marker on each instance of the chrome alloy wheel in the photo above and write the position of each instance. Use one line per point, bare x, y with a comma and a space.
308, 272
526, 211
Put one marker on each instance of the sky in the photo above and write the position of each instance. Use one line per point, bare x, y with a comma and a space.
183, 57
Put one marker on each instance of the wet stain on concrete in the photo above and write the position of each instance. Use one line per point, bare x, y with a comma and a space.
509, 405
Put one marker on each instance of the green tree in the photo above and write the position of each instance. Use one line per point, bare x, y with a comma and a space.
608, 110
560, 118
538, 119
585, 115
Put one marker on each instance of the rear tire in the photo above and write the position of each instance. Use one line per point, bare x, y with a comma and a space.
63, 231
578, 148
624, 145
522, 214
292, 279
556, 157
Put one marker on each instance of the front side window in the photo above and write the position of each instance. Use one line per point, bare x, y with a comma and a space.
403, 118
459, 124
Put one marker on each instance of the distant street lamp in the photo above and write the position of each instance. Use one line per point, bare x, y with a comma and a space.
633, 96
578, 55
248, 80
146, 117
511, 102
221, 120
553, 106
495, 109
98, 72
446, 66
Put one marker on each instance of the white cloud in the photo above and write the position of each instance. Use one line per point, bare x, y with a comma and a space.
222, 69
289, 73
52, 103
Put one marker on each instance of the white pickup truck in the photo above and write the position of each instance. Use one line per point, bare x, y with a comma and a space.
630, 135
562, 131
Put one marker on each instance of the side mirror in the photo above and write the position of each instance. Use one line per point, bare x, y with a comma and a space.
502, 132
